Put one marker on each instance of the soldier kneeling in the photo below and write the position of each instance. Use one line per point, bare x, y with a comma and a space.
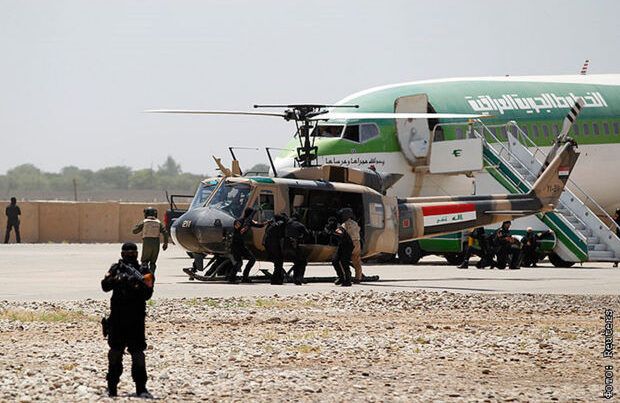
131, 286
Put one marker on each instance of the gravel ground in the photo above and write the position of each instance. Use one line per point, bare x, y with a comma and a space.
360, 346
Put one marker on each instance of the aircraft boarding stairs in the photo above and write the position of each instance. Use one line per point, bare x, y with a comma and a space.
581, 234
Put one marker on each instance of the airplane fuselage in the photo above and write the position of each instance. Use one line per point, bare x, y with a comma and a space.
537, 103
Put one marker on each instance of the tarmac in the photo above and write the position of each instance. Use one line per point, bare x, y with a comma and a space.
56, 272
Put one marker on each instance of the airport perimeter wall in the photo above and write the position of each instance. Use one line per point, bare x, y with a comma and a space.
80, 222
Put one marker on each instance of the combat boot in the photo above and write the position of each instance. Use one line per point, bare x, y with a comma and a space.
463, 265
112, 391
143, 393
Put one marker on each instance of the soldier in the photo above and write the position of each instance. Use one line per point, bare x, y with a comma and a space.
151, 227
132, 286
238, 249
529, 243
507, 248
12, 220
295, 233
274, 234
483, 250
353, 229
342, 256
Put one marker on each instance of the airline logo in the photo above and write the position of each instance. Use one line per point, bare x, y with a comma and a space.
564, 171
543, 102
448, 214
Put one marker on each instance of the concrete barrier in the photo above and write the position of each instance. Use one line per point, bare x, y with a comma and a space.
82, 222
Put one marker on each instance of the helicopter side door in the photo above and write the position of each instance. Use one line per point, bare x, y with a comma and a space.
381, 225
267, 200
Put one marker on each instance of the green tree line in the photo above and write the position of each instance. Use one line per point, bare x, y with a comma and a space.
167, 176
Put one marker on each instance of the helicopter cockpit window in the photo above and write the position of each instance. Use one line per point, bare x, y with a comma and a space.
202, 194
327, 130
231, 197
266, 206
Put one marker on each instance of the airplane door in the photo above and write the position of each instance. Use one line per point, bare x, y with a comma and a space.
413, 134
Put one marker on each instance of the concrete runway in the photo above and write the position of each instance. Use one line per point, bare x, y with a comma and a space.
35, 272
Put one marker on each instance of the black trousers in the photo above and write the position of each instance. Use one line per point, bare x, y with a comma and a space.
240, 252
528, 256
342, 264
15, 226
127, 331
299, 265
506, 253
274, 251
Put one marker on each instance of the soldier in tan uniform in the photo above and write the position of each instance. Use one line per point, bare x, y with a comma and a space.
354, 232
151, 227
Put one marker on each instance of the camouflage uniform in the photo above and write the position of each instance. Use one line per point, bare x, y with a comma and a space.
151, 227
356, 261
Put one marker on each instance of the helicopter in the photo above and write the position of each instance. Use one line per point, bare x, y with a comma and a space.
316, 192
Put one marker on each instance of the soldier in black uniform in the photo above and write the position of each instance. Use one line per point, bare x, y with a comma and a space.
529, 243
483, 250
342, 256
12, 220
507, 248
132, 286
238, 249
274, 234
295, 233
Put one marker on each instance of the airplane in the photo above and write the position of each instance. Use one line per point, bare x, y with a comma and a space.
537, 103
317, 191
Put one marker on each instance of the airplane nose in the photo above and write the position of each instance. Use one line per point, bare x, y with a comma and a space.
202, 230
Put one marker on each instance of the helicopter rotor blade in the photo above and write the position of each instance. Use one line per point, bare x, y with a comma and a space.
372, 115
206, 112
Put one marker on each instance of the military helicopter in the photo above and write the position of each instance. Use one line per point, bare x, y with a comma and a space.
316, 192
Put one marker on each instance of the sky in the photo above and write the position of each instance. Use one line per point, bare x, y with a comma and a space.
76, 76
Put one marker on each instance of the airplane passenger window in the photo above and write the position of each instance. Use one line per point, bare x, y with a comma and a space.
525, 130
368, 131
576, 129
535, 132
586, 129
595, 130
545, 130
459, 133
352, 132
504, 133
327, 130
606, 128
556, 131
616, 128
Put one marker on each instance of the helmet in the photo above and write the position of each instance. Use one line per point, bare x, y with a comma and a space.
346, 213
150, 212
129, 251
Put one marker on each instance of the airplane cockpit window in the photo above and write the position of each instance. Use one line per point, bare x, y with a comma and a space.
352, 132
327, 130
231, 197
368, 131
202, 194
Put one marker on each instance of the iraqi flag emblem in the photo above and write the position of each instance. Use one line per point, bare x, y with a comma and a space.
563, 171
448, 214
